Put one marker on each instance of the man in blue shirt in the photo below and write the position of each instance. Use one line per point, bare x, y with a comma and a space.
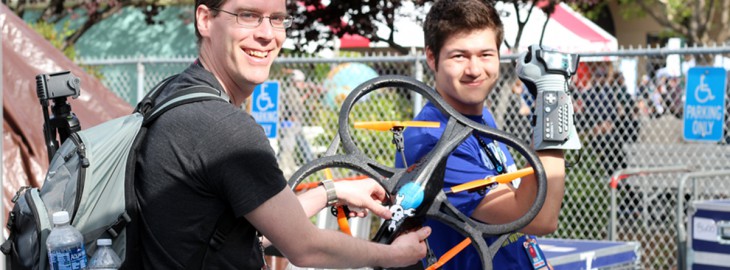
462, 48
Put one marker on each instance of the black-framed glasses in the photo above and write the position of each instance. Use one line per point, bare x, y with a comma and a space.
250, 19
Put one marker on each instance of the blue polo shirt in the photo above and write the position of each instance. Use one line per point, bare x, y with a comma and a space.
466, 163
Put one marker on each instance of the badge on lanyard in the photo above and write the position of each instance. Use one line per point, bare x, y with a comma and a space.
533, 252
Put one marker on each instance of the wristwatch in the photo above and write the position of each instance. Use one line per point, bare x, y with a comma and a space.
329, 187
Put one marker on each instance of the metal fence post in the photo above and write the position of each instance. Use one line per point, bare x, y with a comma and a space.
140, 79
418, 74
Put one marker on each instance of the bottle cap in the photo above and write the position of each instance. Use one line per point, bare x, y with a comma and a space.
60, 217
104, 242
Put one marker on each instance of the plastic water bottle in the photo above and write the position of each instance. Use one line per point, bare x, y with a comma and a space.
65, 245
105, 258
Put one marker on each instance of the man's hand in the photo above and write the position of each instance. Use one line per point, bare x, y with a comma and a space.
409, 248
362, 195
546, 74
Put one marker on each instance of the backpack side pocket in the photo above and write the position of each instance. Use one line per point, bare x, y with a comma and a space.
29, 226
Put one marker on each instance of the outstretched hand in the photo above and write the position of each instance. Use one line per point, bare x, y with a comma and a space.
361, 196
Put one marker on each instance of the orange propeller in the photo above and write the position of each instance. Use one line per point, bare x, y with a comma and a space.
450, 254
501, 179
388, 125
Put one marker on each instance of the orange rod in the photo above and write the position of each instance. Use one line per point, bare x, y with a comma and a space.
328, 174
502, 179
341, 217
450, 254
342, 221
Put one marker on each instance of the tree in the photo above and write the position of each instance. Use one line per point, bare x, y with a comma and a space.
698, 21
317, 23
53, 11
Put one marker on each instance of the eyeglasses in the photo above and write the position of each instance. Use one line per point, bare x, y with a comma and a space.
252, 20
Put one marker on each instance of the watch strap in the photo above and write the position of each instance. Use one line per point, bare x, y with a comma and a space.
329, 187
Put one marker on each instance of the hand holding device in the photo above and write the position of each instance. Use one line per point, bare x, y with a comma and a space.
546, 74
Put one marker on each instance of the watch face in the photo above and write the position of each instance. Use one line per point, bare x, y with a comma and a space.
557, 62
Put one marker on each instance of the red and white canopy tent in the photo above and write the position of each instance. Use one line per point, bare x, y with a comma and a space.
566, 31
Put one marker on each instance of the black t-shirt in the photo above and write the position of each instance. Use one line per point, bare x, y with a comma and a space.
200, 161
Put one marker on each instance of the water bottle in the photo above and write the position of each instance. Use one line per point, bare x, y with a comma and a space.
105, 258
65, 245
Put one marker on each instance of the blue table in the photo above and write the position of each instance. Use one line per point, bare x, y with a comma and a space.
589, 254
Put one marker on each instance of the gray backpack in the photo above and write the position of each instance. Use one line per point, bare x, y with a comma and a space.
92, 177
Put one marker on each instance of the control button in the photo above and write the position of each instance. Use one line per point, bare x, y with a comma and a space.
550, 98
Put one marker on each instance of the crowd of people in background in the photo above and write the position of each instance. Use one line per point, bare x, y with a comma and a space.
607, 114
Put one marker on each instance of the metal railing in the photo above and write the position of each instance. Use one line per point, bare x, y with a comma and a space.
681, 229
626, 173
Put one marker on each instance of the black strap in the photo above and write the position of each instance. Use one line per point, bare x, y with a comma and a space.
224, 226
180, 97
148, 101
498, 166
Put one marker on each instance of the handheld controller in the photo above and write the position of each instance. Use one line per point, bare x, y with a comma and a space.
546, 74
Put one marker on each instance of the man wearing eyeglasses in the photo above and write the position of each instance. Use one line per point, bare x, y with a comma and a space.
208, 182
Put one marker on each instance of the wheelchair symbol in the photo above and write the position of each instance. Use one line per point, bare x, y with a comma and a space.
703, 93
264, 102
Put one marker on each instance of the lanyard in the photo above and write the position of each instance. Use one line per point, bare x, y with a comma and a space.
499, 167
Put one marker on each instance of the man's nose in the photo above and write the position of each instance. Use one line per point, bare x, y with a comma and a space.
265, 30
474, 67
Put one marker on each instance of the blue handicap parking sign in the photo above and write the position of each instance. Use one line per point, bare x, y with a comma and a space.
265, 107
704, 108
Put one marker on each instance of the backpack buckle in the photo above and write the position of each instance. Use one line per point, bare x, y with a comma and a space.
217, 240
119, 224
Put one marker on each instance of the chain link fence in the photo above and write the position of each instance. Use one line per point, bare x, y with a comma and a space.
628, 110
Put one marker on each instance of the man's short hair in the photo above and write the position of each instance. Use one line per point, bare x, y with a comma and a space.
209, 4
449, 17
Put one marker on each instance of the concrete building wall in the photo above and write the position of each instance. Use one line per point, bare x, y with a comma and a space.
632, 31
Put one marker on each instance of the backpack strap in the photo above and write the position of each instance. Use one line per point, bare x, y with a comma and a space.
148, 101
180, 97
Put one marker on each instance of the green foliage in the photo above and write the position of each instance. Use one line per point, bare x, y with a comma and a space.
589, 9
679, 10
57, 38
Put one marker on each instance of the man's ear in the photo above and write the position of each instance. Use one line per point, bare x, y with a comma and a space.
203, 19
431, 59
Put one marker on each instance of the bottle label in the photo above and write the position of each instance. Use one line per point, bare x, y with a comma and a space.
72, 258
